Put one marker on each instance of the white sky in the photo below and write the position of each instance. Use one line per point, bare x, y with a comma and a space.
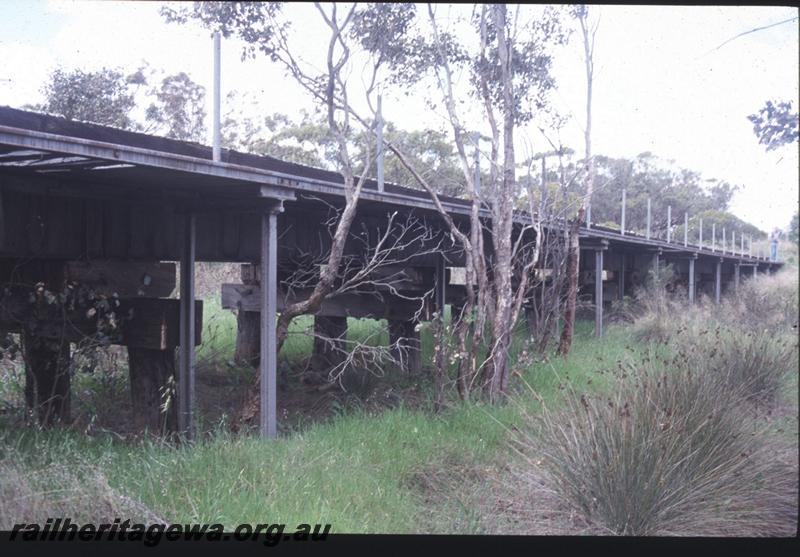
659, 86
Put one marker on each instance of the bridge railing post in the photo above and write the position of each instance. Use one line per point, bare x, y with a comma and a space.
622, 223
700, 237
685, 229
713, 236
648, 218
669, 223
724, 241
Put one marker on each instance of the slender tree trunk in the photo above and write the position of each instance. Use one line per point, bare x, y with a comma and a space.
574, 245
502, 223
352, 192
571, 298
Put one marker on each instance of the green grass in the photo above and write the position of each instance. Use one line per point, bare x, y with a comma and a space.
399, 470
219, 334
353, 472
360, 472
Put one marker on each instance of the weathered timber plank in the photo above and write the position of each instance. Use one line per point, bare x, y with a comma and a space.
145, 322
155, 322
93, 222
140, 231
246, 298
35, 225
127, 279
116, 218
230, 235
400, 277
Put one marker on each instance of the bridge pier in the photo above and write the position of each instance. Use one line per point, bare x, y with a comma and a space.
718, 282
47, 377
691, 279
329, 347
150, 370
405, 339
146, 324
248, 325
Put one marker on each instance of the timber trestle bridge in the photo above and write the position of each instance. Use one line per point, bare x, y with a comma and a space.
127, 214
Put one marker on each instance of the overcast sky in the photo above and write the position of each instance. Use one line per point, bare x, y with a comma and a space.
660, 84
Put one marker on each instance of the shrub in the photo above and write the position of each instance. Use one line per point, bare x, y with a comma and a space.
666, 454
765, 303
659, 311
752, 365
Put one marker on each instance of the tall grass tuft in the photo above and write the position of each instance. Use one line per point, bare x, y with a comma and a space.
769, 302
754, 366
666, 454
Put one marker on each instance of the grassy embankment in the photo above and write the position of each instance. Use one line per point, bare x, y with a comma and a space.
361, 472
401, 469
